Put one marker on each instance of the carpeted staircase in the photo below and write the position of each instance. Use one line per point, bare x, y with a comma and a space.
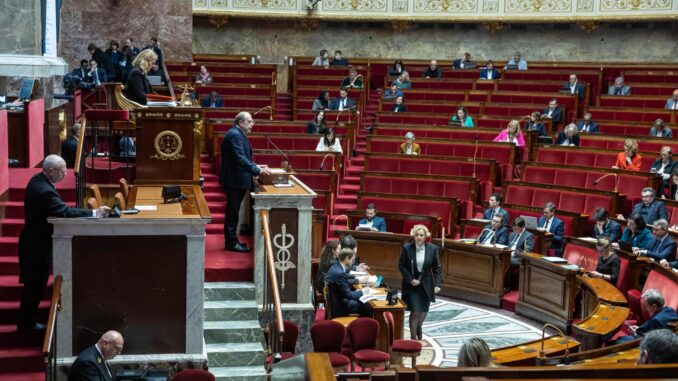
283, 107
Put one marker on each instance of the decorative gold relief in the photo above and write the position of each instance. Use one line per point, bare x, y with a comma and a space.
199, 3
277, 4
585, 5
490, 5
218, 21
400, 26
589, 26
538, 6
355, 5
635, 5
446, 5
308, 24
400, 5
494, 26
167, 146
198, 126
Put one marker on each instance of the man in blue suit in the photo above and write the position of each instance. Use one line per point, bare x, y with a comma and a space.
237, 170
619, 88
494, 233
605, 227
344, 300
652, 303
494, 204
662, 245
650, 208
587, 125
553, 112
343, 102
575, 87
371, 222
212, 101
96, 76
489, 72
550, 223
672, 103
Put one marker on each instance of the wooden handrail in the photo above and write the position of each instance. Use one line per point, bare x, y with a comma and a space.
277, 303
51, 321
81, 144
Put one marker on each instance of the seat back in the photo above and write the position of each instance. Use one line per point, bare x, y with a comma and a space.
96, 193
327, 336
194, 375
667, 287
623, 279
120, 200
363, 333
582, 256
92, 203
390, 324
290, 336
124, 188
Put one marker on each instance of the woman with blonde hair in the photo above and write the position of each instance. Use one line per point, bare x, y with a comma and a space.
403, 81
420, 266
410, 147
512, 134
475, 353
629, 160
137, 83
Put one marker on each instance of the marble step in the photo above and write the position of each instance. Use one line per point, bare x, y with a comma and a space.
235, 354
231, 310
234, 331
222, 291
239, 373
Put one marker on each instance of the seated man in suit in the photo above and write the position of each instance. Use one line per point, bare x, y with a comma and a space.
212, 101
464, 63
553, 112
619, 88
81, 72
91, 364
69, 146
392, 93
606, 227
672, 103
352, 81
489, 72
520, 241
575, 87
338, 60
433, 71
659, 347
522, 64
662, 245
371, 222
344, 300
494, 233
552, 224
660, 130
494, 204
342, 102
587, 125
95, 75
652, 303
649, 208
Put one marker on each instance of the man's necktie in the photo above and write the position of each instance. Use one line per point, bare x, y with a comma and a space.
547, 226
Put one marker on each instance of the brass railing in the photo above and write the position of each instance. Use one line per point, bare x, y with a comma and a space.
49, 347
272, 303
80, 167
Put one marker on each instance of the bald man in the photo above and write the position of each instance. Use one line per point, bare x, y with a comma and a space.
91, 364
35, 243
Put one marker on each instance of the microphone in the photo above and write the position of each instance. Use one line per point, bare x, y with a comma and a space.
322, 163
616, 179
350, 108
285, 163
582, 260
602, 44
542, 354
354, 79
475, 155
270, 113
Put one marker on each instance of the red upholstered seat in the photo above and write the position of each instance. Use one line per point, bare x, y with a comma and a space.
623, 278
371, 356
194, 375
581, 256
290, 337
328, 336
664, 285
402, 347
584, 159
338, 360
363, 333
539, 175
406, 346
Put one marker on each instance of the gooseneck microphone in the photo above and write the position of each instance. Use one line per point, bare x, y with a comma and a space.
270, 113
287, 159
616, 179
322, 163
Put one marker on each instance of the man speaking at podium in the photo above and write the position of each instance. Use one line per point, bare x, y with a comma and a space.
237, 170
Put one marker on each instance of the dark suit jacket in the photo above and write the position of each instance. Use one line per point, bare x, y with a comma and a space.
334, 103
658, 321
68, 149
91, 78
89, 366
488, 213
579, 89
138, 86
669, 167
539, 126
358, 83
625, 90
35, 244
340, 291
525, 244
652, 212
218, 102
557, 229
399, 108
556, 116
664, 250
237, 167
666, 132
430, 272
500, 236
562, 137
612, 231
437, 73
102, 61
377, 222
593, 127
483, 74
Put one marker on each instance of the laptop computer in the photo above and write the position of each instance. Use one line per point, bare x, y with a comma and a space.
512, 67
530, 222
155, 80
625, 246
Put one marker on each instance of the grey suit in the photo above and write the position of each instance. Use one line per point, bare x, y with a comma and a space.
524, 244
625, 90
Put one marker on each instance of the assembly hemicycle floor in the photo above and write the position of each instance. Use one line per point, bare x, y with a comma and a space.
449, 323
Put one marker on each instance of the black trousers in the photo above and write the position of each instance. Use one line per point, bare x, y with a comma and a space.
31, 295
234, 198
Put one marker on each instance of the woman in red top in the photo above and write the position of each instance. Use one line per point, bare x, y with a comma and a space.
629, 159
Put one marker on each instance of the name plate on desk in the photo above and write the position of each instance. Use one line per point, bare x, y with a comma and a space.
278, 176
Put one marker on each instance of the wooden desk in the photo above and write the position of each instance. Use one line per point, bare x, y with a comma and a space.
542, 237
526, 353
547, 291
596, 291
381, 251
398, 311
194, 206
612, 354
600, 325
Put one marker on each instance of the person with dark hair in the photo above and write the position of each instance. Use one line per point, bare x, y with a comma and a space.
608, 262
352, 81
552, 224
464, 63
636, 233
659, 347
322, 59
96, 76
114, 56
343, 299
156, 71
553, 112
475, 353
322, 102
155, 46
203, 77
606, 227
399, 105
318, 124
397, 68
494, 207
82, 71
371, 222
420, 267
329, 142
535, 124
649, 208
212, 101
461, 117
433, 71
489, 72
392, 93
69, 147
347, 241
328, 257
652, 304
519, 241
343, 102
494, 233
663, 166
338, 60
102, 61
662, 246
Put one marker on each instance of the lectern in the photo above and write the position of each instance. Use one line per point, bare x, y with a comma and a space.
168, 145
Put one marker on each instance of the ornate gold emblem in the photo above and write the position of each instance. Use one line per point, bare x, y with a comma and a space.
537, 4
446, 4
168, 146
635, 4
355, 4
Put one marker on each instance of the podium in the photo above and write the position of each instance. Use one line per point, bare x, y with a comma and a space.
168, 145
290, 212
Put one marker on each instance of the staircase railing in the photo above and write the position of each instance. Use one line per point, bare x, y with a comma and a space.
272, 305
49, 347
80, 167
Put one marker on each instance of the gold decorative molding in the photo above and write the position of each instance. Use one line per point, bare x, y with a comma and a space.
308, 24
218, 20
636, 5
521, 6
494, 27
400, 26
589, 26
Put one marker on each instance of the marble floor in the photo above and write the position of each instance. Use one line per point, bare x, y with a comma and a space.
449, 323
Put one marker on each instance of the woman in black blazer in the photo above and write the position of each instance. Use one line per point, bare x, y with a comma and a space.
137, 83
420, 267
